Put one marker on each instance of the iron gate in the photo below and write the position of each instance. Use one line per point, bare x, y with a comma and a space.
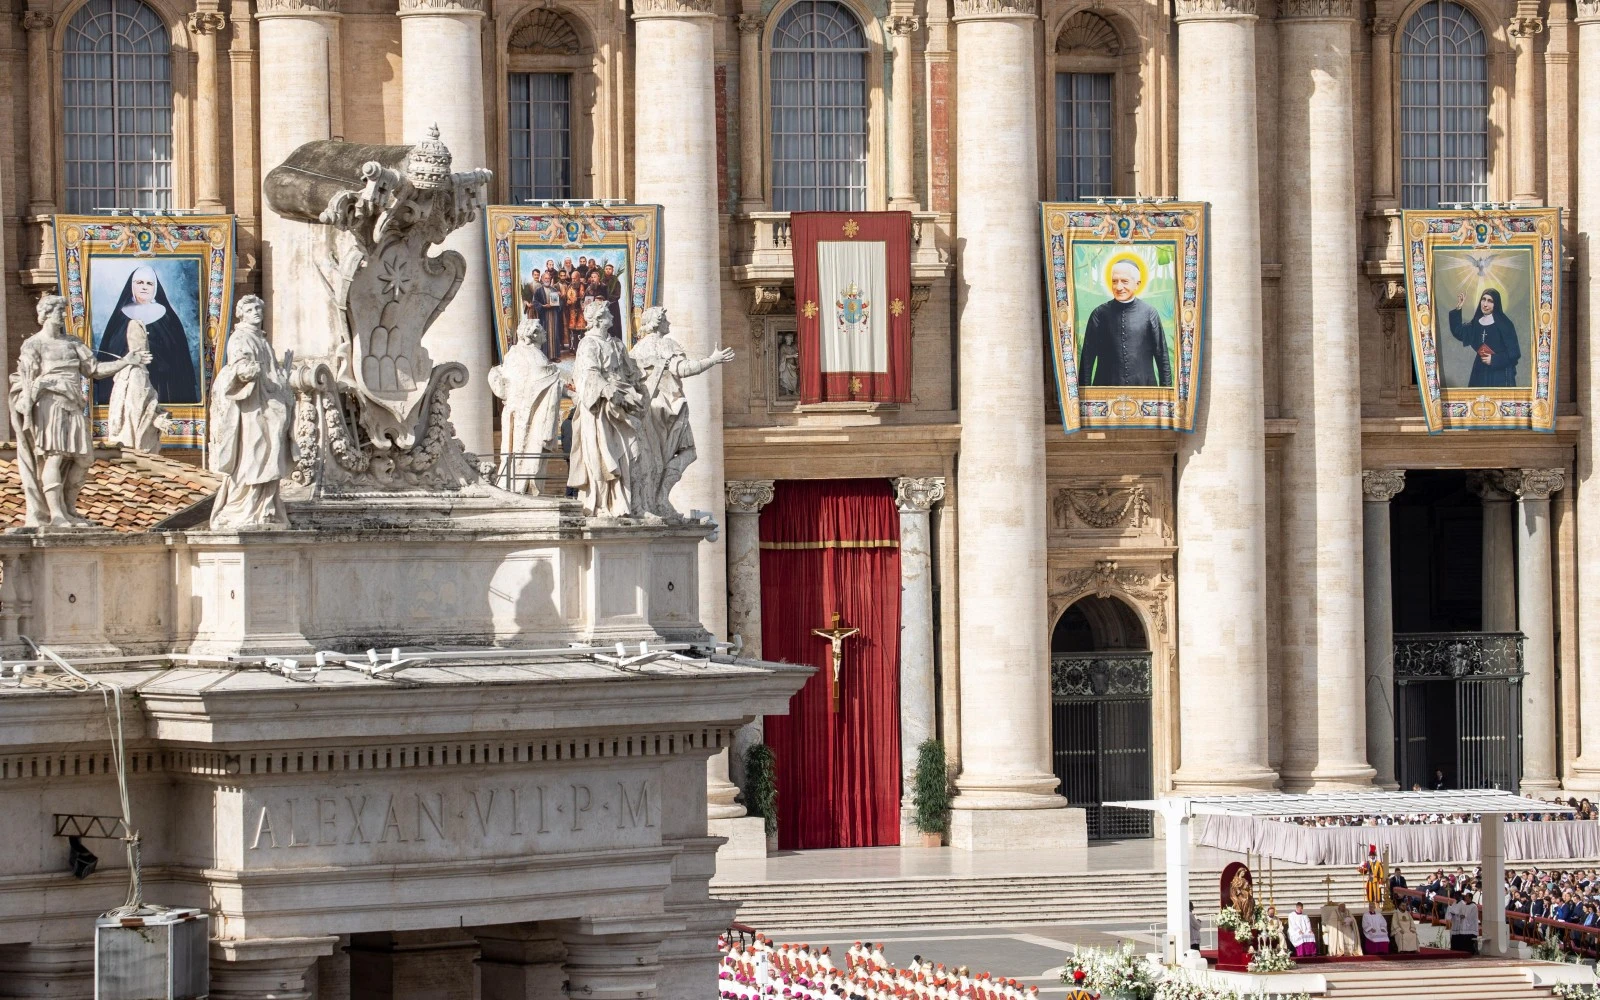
1100, 735
1458, 708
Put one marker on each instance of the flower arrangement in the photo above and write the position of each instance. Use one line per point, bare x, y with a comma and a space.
1575, 991
1181, 986
1121, 973
1270, 960
1552, 950
1230, 919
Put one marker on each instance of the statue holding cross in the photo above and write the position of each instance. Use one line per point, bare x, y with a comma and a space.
836, 635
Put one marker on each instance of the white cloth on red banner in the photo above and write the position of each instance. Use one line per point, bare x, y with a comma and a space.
853, 292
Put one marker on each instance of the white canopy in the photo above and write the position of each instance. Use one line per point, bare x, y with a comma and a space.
1374, 803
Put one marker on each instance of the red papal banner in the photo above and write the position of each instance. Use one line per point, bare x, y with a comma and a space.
852, 294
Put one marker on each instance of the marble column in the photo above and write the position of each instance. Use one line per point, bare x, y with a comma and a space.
41, 114
916, 499
519, 962
1378, 487
1499, 570
1537, 622
752, 188
297, 40
1381, 52
746, 498
1586, 770
621, 966
1222, 606
267, 968
204, 27
1006, 793
1523, 29
1325, 721
675, 166
442, 85
902, 114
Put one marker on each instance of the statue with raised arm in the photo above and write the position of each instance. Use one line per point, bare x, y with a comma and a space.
666, 442
50, 405
530, 387
251, 404
603, 464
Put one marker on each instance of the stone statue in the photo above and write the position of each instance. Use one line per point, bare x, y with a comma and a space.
605, 419
50, 406
251, 403
530, 386
135, 419
666, 442
788, 365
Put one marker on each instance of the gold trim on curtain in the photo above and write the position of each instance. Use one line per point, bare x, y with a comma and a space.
885, 543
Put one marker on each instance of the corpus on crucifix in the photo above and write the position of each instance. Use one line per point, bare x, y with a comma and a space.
836, 635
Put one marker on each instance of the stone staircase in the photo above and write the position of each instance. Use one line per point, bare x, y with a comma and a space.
1126, 899
1474, 981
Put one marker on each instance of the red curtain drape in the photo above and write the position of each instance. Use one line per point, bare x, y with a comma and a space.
826, 546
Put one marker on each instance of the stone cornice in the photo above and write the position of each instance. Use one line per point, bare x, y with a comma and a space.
674, 8
1215, 8
988, 9
748, 496
1382, 485
918, 494
1319, 9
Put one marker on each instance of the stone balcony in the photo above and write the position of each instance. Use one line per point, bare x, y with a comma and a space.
763, 259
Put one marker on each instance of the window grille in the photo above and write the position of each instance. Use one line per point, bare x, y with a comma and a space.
541, 136
819, 109
1083, 135
1444, 107
116, 73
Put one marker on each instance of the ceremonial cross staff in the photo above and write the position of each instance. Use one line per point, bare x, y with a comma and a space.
836, 636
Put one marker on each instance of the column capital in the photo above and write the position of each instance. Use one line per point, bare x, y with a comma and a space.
902, 24
979, 10
1535, 484
1322, 10
1523, 26
442, 7
37, 20
674, 8
748, 496
207, 22
1382, 485
1588, 11
1491, 485
1381, 26
271, 8
1215, 9
752, 24
918, 494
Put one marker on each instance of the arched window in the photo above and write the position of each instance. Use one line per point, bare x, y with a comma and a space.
1444, 107
819, 109
116, 72
1087, 54
540, 136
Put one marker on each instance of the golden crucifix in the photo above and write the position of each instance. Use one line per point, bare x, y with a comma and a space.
836, 635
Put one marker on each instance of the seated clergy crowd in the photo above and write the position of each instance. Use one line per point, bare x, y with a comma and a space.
760, 968
1345, 934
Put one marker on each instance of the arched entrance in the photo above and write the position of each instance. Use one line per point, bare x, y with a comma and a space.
1100, 726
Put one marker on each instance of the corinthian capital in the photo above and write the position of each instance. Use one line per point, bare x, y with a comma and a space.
1525, 27
980, 9
440, 6
1588, 10
918, 494
902, 24
1535, 484
37, 20
1382, 485
751, 24
207, 22
1316, 8
748, 496
270, 7
1215, 8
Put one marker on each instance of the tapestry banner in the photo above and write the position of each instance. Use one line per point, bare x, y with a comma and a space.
166, 282
549, 262
1483, 293
1126, 288
852, 294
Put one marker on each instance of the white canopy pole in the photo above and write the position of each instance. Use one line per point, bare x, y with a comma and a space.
1176, 813
1496, 934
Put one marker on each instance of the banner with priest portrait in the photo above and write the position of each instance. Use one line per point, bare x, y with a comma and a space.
852, 294
1127, 309
1483, 292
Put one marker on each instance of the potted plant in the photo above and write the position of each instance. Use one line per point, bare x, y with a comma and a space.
931, 793
761, 789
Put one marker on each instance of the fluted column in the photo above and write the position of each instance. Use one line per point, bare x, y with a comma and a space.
1586, 770
1325, 724
1499, 570
752, 192
1378, 487
297, 42
902, 115
266, 968
204, 27
1536, 621
41, 114
1006, 794
1222, 655
675, 166
916, 499
746, 498
1524, 27
441, 42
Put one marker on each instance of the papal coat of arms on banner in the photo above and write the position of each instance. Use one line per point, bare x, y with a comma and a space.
852, 280
1483, 292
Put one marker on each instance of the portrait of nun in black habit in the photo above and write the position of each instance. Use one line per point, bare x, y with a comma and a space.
172, 372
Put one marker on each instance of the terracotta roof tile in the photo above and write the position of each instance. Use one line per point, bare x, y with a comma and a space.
126, 491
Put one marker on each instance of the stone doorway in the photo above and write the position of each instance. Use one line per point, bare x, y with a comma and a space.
1100, 684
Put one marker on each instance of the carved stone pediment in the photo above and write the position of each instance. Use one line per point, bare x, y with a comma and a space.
1148, 586
1129, 507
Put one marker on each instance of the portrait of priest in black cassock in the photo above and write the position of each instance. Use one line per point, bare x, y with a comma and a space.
144, 301
1124, 343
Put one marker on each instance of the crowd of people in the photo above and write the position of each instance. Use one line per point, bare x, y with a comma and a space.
757, 968
556, 294
1581, 809
1570, 896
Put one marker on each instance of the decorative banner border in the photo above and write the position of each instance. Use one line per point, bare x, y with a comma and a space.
1182, 225
209, 239
1538, 231
572, 228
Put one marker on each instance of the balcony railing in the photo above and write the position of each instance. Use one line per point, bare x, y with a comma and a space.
1446, 655
763, 256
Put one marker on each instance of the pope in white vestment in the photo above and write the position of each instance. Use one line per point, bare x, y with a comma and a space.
1338, 931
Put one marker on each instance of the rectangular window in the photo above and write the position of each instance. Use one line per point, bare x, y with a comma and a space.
541, 136
1083, 135
819, 131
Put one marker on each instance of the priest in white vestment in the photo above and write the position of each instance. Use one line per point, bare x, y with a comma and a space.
1374, 931
1301, 938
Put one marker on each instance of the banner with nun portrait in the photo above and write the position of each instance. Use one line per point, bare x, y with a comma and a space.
1126, 290
1483, 292
164, 285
